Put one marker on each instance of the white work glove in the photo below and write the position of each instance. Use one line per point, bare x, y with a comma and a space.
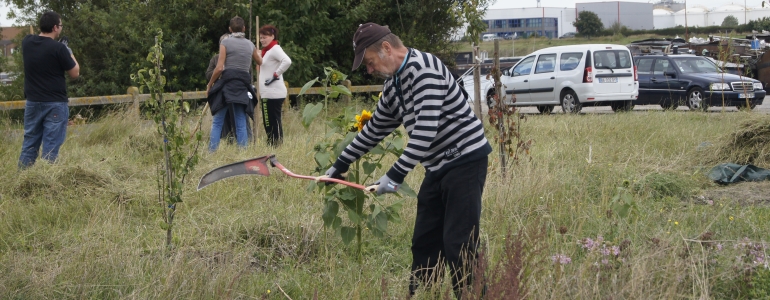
386, 185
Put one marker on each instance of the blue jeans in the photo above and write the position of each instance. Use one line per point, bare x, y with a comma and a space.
241, 135
44, 123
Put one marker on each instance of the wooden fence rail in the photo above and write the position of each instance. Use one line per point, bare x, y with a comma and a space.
134, 97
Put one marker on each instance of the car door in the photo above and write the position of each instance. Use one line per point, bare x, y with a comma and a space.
644, 72
664, 83
542, 82
613, 71
517, 84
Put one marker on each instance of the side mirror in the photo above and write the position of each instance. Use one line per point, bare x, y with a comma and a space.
670, 73
506, 72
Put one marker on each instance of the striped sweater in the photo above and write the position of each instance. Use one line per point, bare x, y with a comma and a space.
424, 97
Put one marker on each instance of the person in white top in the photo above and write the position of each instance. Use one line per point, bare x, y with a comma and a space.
271, 86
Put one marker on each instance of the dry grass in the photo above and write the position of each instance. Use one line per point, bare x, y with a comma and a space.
88, 227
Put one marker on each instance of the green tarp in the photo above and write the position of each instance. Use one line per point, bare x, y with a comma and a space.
731, 173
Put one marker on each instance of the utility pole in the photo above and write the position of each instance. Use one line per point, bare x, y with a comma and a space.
477, 82
499, 106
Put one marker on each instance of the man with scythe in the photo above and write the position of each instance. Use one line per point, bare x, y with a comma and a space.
444, 136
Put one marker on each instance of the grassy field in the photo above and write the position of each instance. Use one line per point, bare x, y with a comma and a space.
620, 201
522, 47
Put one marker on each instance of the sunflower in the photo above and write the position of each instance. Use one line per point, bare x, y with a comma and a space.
362, 119
335, 77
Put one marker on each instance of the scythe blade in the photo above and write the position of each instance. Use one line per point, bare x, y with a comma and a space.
254, 166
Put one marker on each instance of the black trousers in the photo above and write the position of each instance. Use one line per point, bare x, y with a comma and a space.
447, 226
271, 116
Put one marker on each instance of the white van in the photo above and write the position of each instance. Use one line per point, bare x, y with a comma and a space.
489, 37
572, 77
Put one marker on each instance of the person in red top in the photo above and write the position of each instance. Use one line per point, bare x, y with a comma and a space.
271, 87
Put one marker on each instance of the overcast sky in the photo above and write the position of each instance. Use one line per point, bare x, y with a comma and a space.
571, 3
4, 22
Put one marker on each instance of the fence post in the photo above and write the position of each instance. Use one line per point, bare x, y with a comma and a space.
346, 98
134, 92
286, 102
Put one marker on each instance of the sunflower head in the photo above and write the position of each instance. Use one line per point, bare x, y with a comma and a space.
361, 119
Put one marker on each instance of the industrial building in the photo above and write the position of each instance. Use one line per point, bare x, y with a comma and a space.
523, 22
554, 21
633, 15
700, 16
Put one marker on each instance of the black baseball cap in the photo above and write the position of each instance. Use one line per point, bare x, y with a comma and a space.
366, 35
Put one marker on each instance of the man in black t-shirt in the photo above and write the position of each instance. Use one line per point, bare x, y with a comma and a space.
46, 112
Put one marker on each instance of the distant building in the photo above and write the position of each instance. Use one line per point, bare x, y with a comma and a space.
7, 47
523, 22
670, 5
633, 15
663, 18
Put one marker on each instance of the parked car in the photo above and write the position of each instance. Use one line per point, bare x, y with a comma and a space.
6, 78
673, 80
567, 35
489, 37
572, 77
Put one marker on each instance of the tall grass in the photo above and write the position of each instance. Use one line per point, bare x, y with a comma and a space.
88, 226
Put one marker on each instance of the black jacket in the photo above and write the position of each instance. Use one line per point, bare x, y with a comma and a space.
233, 87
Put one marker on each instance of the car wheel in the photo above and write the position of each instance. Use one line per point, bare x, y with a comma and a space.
696, 100
570, 103
670, 106
545, 109
622, 106
743, 106
491, 99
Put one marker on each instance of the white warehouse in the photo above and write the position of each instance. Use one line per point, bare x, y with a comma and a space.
543, 21
633, 15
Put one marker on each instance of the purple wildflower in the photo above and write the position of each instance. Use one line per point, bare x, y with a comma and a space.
561, 259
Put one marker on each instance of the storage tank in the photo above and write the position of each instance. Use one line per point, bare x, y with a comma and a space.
697, 16
663, 18
718, 15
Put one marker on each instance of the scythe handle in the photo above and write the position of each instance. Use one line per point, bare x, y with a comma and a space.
275, 163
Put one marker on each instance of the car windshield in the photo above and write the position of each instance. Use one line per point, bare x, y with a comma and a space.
612, 59
691, 65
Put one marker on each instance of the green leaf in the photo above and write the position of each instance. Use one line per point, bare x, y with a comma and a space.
330, 212
340, 146
354, 217
347, 195
396, 207
347, 233
394, 217
407, 190
310, 112
322, 158
622, 209
307, 86
186, 106
381, 222
377, 150
369, 167
376, 232
397, 143
341, 89
337, 223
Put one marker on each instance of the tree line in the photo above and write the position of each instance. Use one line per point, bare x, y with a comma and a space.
110, 39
